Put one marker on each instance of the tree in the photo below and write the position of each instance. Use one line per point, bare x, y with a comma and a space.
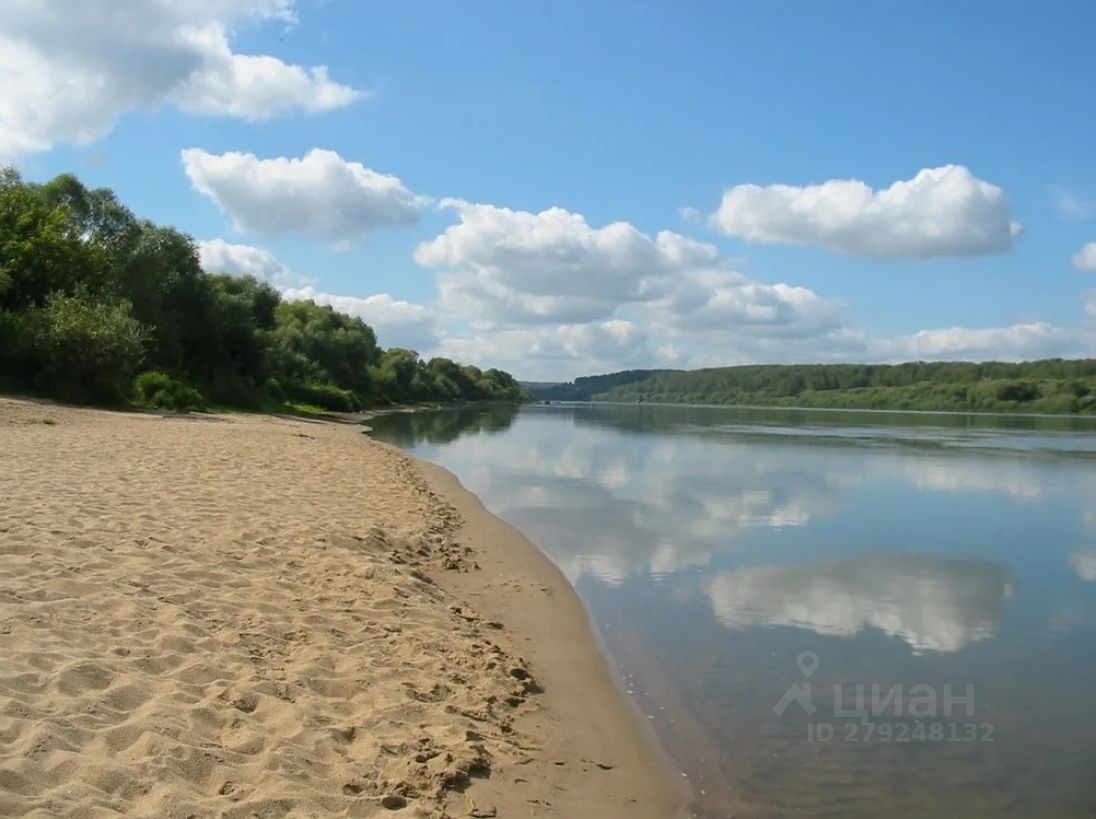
315, 343
394, 375
88, 292
41, 250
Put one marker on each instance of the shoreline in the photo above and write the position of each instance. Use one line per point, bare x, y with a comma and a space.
231, 615
808, 408
580, 687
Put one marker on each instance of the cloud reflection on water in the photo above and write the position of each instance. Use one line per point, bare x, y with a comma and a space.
1083, 562
933, 603
610, 499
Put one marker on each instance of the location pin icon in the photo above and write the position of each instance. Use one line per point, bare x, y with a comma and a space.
807, 661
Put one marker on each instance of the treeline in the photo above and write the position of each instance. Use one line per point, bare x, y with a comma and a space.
1052, 385
99, 306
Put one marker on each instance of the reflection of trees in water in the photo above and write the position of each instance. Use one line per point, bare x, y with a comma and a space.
646, 417
444, 425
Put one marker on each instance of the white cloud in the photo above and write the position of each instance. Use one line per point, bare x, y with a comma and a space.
1071, 205
517, 267
660, 343
1085, 259
1089, 301
80, 66
548, 351
253, 87
320, 195
538, 291
932, 603
397, 323
940, 212
219, 256
723, 300
1036, 339
506, 269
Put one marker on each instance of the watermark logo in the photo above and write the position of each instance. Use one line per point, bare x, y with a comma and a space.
807, 663
865, 712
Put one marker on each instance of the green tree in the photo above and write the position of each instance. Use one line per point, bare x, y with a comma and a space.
394, 375
41, 249
316, 344
89, 292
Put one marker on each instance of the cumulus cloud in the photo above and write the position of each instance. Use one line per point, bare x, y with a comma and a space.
942, 211
397, 323
219, 256
82, 65
320, 195
548, 351
254, 87
516, 270
539, 290
723, 299
518, 267
932, 603
1085, 259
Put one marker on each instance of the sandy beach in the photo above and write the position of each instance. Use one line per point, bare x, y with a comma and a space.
248, 616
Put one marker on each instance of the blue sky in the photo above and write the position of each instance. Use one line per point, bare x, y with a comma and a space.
539, 150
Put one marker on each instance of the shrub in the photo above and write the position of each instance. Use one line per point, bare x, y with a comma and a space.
157, 390
1017, 391
232, 390
85, 349
274, 392
325, 396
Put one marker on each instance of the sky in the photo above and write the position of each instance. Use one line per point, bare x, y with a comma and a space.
568, 188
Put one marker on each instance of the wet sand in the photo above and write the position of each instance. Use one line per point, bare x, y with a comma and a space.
251, 616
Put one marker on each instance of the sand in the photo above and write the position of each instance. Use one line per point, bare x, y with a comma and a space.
247, 616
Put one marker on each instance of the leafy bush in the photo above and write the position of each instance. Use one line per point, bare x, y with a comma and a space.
274, 391
1017, 391
325, 396
160, 391
85, 349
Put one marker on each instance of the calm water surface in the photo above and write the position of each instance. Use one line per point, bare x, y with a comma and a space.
737, 561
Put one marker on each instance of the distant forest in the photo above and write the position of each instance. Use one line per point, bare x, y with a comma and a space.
99, 306
1052, 385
